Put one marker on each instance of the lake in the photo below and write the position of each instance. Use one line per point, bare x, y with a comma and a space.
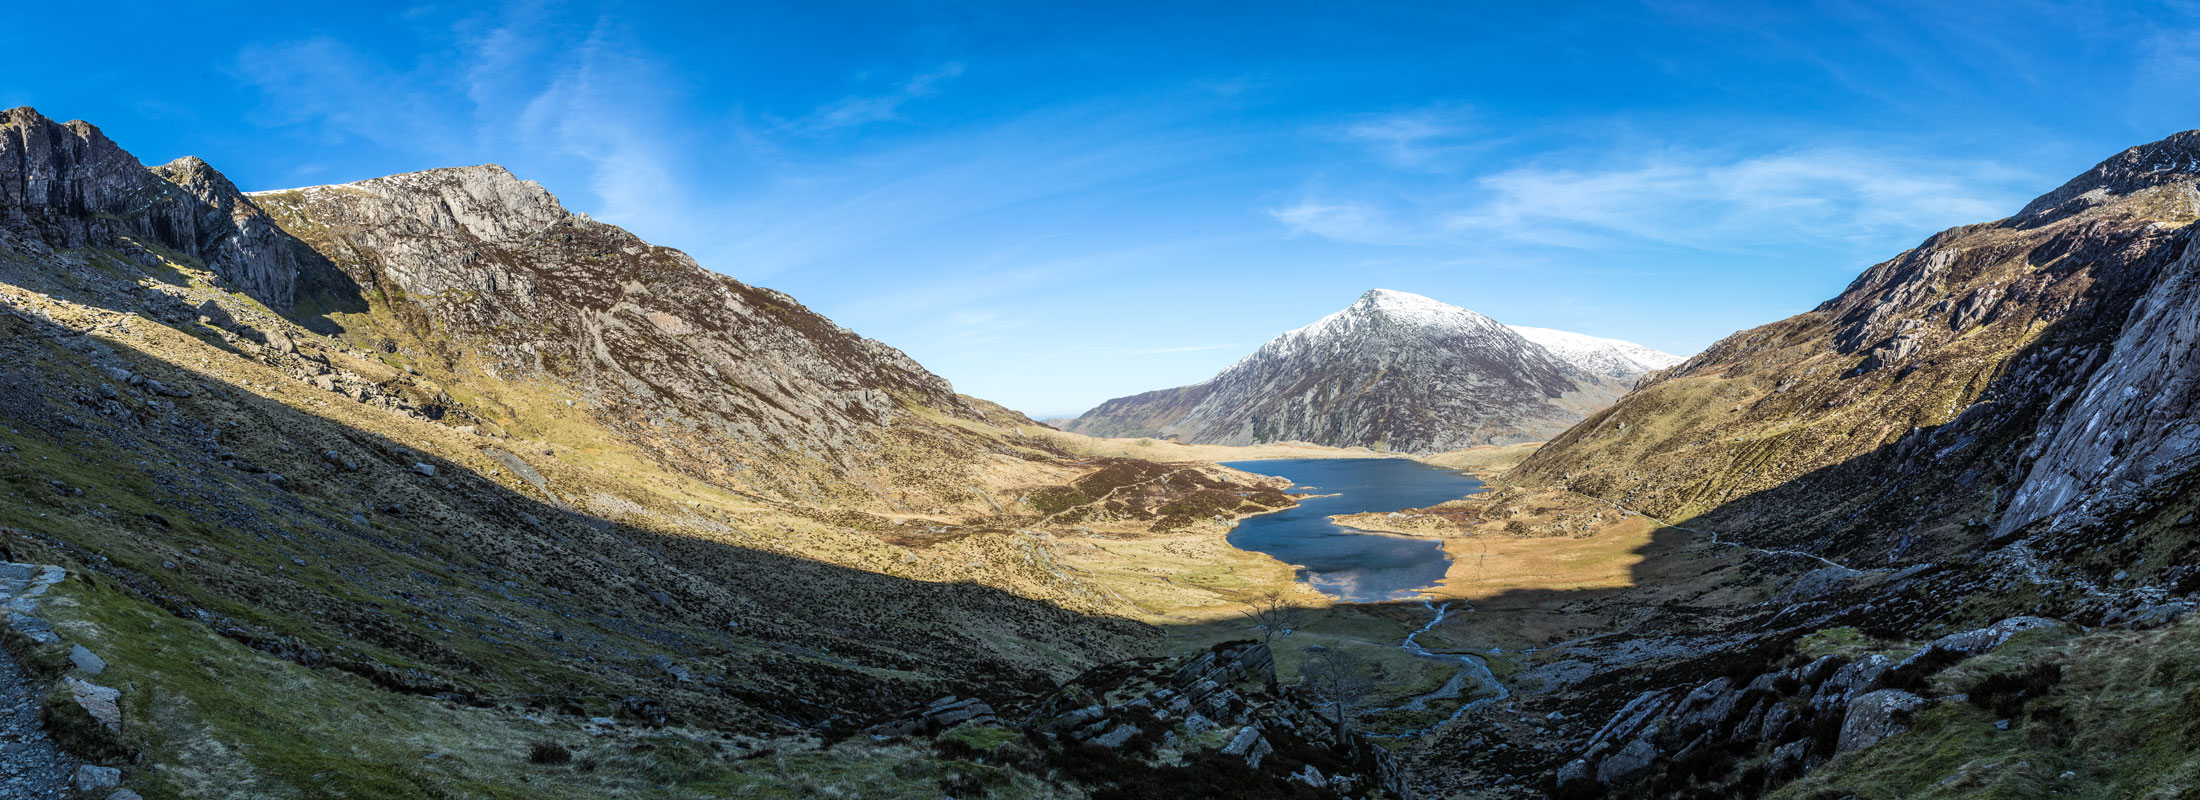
1353, 565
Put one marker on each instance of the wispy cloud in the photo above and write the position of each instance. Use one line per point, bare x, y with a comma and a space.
850, 112
1348, 221
1428, 139
328, 84
1680, 199
1699, 201
1196, 348
598, 110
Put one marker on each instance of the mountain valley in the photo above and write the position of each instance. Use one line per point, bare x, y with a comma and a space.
426, 486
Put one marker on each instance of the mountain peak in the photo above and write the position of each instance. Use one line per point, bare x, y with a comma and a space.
1404, 308
2175, 159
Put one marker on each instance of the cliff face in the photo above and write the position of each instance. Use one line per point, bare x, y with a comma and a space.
1995, 375
1394, 370
68, 186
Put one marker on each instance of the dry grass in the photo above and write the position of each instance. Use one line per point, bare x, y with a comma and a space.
1171, 451
1485, 462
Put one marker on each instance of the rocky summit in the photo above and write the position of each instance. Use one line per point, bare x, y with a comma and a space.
1394, 371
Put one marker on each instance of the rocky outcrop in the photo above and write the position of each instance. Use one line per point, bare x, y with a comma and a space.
1394, 370
68, 185
1152, 716
2133, 426
1788, 721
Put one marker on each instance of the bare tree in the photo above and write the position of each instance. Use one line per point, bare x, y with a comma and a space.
1339, 678
1271, 613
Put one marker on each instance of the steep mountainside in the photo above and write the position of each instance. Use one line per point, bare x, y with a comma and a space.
1966, 387
1393, 370
1977, 466
492, 478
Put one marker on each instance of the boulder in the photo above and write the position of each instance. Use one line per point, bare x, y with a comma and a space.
87, 661
91, 780
1629, 764
101, 703
427, 470
1875, 716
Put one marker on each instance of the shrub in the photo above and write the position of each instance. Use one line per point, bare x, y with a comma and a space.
2004, 693
549, 753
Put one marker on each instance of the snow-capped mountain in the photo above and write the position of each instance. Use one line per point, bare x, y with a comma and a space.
1611, 358
1393, 370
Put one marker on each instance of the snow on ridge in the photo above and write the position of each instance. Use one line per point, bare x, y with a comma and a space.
1612, 357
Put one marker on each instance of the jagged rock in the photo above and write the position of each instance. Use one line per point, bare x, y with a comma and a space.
1116, 736
1249, 745
71, 187
1311, 777
1629, 720
164, 390
1789, 759
1778, 716
1816, 584
1575, 773
2155, 615
1850, 680
101, 703
1876, 716
665, 663
427, 470
1706, 708
1982, 640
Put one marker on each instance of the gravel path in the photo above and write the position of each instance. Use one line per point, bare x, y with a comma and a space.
30, 765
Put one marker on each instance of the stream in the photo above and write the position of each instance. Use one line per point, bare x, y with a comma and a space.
1357, 566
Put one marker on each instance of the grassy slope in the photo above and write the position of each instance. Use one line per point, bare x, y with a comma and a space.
2123, 722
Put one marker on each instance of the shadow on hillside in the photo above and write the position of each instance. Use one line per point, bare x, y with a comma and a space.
325, 544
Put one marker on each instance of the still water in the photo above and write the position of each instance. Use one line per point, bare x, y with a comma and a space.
1353, 565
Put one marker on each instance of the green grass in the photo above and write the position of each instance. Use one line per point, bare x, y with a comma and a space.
2123, 722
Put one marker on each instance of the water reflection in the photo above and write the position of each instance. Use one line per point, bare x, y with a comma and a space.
1353, 565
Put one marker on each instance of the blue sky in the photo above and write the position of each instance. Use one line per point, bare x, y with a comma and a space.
1054, 206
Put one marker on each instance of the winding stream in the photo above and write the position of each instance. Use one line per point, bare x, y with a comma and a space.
1358, 566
